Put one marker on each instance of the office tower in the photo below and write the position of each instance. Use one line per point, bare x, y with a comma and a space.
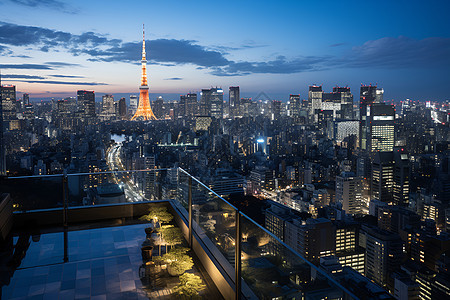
384, 252
401, 178
294, 107
188, 105
233, 100
122, 108
313, 240
108, 108
25, 100
349, 193
276, 110
315, 94
348, 251
380, 127
2, 141
332, 101
379, 95
86, 103
367, 97
382, 176
144, 110
133, 104
346, 98
158, 108
211, 102
343, 129
8, 101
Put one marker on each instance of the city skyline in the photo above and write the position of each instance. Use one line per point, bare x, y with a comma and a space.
52, 48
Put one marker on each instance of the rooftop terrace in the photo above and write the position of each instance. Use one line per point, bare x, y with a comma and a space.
65, 239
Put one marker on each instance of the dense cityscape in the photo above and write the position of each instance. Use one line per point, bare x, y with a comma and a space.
353, 183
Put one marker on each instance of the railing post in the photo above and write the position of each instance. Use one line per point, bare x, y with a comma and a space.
190, 210
237, 257
65, 216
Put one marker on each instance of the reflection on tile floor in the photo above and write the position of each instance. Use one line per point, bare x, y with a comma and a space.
103, 263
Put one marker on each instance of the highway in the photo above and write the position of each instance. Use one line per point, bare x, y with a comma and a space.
124, 179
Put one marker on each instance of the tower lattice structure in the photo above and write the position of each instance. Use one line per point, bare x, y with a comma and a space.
144, 110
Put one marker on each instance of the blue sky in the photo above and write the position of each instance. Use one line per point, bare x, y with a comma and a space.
52, 47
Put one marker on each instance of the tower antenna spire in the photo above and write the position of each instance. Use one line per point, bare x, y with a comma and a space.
144, 110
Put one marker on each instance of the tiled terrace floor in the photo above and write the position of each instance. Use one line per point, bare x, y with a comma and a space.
104, 263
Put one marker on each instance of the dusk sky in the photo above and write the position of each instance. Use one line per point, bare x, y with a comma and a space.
52, 48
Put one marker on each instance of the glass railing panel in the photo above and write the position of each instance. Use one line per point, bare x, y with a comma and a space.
272, 270
121, 187
34, 192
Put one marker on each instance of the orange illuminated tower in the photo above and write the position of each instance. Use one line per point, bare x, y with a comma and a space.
144, 111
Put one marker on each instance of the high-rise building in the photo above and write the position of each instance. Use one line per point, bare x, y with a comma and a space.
108, 108
380, 127
384, 252
122, 108
233, 100
346, 102
144, 110
349, 193
315, 94
313, 240
367, 96
188, 105
133, 104
294, 107
401, 178
8, 101
86, 103
382, 176
25, 100
211, 102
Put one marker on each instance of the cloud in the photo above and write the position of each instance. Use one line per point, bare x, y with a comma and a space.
159, 51
400, 52
174, 78
337, 45
17, 76
53, 4
387, 52
61, 64
280, 65
26, 66
61, 82
66, 76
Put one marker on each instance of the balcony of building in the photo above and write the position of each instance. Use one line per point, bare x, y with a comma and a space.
80, 236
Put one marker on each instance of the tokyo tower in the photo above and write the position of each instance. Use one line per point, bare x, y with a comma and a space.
144, 111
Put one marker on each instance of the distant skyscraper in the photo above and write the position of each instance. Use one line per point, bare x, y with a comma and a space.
144, 110
108, 105
122, 108
346, 102
211, 102
133, 104
384, 252
379, 127
8, 101
382, 176
86, 103
294, 107
366, 98
315, 95
188, 105
233, 100
25, 100
349, 193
